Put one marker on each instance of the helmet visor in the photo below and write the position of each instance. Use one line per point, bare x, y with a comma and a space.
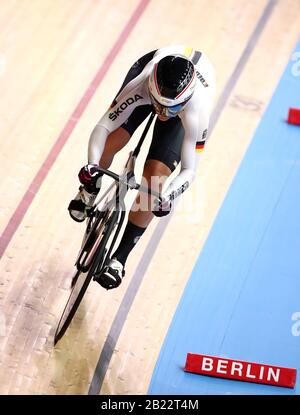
166, 111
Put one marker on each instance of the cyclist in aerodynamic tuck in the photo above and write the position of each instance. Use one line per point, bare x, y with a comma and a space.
178, 82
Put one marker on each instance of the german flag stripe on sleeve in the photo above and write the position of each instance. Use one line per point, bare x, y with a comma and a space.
188, 51
113, 104
200, 146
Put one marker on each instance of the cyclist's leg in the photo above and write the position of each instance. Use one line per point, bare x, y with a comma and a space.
162, 159
154, 176
114, 143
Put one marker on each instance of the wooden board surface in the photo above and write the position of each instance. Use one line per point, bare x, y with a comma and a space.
49, 53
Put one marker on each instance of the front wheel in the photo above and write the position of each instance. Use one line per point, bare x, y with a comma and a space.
81, 280
80, 283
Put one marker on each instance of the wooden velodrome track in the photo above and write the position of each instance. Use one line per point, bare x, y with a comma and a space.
50, 51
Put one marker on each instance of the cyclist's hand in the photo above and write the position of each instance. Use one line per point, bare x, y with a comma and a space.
162, 207
89, 176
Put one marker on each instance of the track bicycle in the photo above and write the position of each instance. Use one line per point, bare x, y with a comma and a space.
103, 226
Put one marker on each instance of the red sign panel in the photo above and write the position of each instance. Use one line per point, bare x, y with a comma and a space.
294, 116
239, 370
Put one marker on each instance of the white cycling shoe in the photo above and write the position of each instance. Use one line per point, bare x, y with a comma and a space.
112, 275
80, 206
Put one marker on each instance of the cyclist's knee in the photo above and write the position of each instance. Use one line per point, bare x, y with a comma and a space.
114, 143
155, 173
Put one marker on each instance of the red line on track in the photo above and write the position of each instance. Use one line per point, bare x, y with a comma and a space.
40, 176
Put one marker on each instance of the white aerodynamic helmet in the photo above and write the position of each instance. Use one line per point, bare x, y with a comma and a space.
171, 84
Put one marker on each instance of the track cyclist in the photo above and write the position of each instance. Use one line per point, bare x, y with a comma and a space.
178, 83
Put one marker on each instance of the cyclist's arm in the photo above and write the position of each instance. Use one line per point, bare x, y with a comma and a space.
195, 135
97, 143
